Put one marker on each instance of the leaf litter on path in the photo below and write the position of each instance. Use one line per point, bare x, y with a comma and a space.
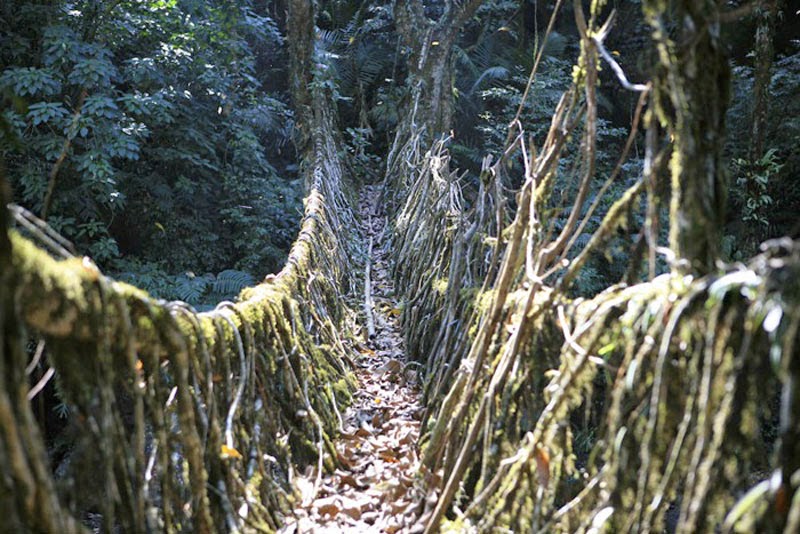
374, 488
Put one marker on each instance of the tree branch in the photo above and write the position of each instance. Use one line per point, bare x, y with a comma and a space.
62, 157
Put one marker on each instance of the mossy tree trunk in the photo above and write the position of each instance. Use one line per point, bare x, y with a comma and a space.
692, 91
430, 49
300, 37
764, 51
27, 493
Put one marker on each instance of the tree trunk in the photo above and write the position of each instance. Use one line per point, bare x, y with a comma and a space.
300, 37
692, 90
765, 32
430, 45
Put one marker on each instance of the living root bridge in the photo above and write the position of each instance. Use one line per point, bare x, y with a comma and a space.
666, 394
184, 421
668, 405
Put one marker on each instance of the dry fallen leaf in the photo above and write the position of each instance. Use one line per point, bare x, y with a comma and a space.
542, 465
399, 506
349, 480
229, 452
388, 456
393, 366
327, 506
353, 508
347, 459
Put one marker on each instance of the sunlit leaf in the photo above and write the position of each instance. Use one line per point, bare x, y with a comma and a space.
229, 452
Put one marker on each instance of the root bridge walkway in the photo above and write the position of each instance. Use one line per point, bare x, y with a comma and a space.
374, 488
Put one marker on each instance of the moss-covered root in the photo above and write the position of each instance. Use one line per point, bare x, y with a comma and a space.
27, 494
181, 421
673, 408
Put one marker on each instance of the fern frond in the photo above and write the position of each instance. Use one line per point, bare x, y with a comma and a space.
230, 282
492, 73
191, 289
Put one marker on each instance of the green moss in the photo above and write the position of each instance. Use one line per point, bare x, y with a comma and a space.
440, 286
343, 388
76, 308
484, 300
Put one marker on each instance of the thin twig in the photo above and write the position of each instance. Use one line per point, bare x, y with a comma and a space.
368, 304
42, 231
638, 87
41, 383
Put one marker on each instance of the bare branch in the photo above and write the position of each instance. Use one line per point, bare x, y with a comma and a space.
638, 87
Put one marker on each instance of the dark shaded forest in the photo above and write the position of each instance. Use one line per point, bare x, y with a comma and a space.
562, 232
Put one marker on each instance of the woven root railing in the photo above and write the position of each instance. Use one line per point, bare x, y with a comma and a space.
668, 405
182, 421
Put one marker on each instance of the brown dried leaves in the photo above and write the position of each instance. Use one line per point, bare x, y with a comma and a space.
374, 489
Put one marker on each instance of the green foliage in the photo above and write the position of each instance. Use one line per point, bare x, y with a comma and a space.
205, 291
171, 145
384, 111
752, 203
764, 196
149, 276
364, 162
752, 181
201, 291
358, 60
490, 99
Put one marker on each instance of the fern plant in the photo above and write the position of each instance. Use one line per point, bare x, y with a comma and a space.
207, 289
201, 291
190, 288
230, 282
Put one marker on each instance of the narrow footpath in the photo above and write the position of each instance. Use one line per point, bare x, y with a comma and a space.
373, 490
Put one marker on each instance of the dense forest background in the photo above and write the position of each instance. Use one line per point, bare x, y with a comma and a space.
173, 142
157, 135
